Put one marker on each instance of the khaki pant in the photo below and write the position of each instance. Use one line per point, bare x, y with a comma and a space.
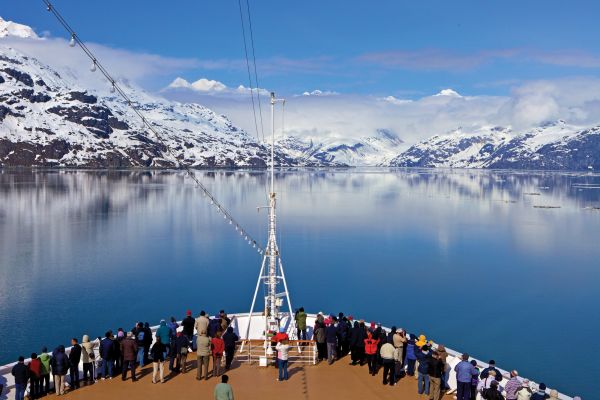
434, 388
217, 365
156, 366
59, 384
203, 362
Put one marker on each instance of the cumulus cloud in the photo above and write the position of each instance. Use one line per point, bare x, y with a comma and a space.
347, 116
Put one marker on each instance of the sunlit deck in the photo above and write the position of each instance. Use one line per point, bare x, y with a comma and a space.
321, 381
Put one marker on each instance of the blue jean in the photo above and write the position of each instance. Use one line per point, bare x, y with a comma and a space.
423, 383
445, 377
140, 355
20, 391
106, 365
283, 370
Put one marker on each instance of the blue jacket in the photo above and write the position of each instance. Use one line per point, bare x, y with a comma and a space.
60, 362
423, 361
163, 332
465, 371
106, 349
331, 334
410, 350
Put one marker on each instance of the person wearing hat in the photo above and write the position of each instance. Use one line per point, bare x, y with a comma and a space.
300, 318
203, 354
129, 350
188, 324
164, 333
524, 392
491, 367
541, 393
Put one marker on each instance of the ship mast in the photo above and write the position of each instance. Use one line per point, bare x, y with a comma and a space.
274, 275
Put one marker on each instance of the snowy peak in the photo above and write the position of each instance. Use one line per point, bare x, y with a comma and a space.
9, 28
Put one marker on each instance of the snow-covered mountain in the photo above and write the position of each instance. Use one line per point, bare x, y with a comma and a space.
48, 119
554, 146
374, 150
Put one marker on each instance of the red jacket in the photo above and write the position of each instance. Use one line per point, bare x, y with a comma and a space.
218, 346
35, 366
371, 346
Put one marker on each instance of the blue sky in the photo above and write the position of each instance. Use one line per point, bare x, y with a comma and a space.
405, 49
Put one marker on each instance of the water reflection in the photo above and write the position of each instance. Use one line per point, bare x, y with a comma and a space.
427, 249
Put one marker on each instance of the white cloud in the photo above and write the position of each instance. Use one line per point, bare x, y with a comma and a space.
318, 92
448, 92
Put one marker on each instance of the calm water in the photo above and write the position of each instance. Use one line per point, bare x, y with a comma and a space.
462, 256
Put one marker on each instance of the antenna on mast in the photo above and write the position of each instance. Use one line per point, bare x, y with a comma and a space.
274, 274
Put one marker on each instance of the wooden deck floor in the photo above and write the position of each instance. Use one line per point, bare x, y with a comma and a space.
338, 381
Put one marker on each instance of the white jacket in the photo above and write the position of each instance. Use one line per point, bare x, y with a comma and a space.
282, 351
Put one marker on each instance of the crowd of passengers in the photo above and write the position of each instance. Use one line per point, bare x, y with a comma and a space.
394, 353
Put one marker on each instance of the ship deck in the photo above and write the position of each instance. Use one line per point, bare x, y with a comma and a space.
320, 381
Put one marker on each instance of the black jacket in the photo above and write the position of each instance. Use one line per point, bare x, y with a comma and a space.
21, 373
188, 326
486, 372
436, 368
157, 352
75, 355
230, 338
491, 394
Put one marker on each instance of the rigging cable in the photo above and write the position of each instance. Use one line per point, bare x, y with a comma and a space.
97, 65
262, 129
248, 69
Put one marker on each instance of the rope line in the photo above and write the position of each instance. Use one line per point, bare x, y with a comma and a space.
262, 129
115, 85
248, 69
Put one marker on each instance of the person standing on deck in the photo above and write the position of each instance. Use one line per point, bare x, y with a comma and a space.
540, 394
371, 351
424, 358
74, 359
203, 354
188, 324
494, 392
464, 370
158, 360
436, 372
200, 325
129, 349
87, 351
512, 386
443, 355
147, 341
21, 374
117, 348
181, 347
283, 349
524, 392
319, 337
218, 346
164, 333
45, 371
474, 380
331, 339
387, 358
230, 339
301, 323
411, 358
223, 390
492, 367
106, 352
356, 343
225, 320
398, 340
214, 326
35, 373
60, 367
139, 340
172, 325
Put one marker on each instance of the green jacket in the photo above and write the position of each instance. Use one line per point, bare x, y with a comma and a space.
45, 360
301, 320
223, 391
